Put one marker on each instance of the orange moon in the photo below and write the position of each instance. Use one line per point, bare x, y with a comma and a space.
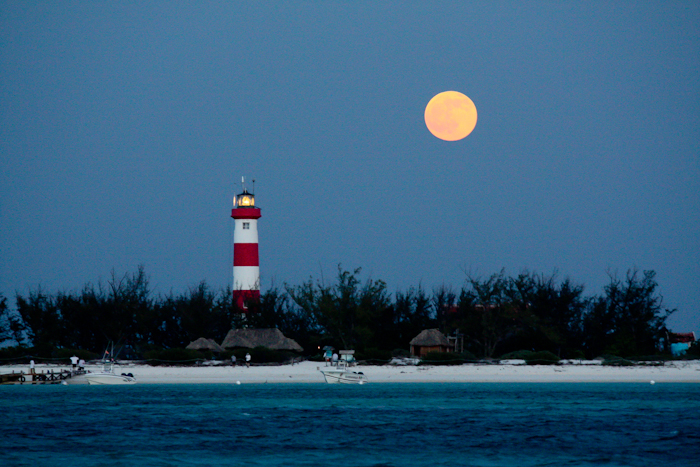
450, 116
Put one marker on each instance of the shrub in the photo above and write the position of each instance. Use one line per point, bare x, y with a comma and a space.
373, 356
316, 358
544, 357
575, 354
444, 358
693, 351
264, 355
517, 355
400, 353
173, 356
612, 360
16, 353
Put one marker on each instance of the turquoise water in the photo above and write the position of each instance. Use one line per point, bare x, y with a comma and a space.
368, 425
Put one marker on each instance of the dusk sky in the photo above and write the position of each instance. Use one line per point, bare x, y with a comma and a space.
126, 127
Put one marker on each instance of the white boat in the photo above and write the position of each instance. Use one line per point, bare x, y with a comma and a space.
108, 376
341, 374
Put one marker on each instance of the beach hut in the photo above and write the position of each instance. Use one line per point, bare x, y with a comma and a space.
429, 340
205, 344
681, 342
272, 338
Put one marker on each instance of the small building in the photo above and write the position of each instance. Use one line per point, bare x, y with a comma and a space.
272, 338
680, 342
429, 340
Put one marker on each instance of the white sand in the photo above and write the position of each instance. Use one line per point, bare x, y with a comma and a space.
307, 372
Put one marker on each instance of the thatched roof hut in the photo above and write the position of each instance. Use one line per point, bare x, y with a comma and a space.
205, 344
272, 338
429, 340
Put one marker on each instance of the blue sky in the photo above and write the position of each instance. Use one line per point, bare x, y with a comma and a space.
126, 126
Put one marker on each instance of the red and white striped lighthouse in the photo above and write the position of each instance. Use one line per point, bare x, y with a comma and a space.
246, 266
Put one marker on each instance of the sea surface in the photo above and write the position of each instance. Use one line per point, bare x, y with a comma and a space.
362, 425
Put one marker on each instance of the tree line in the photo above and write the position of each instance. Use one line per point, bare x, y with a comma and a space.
489, 316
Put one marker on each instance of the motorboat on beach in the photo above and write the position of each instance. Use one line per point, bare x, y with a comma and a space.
108, 376
341, 374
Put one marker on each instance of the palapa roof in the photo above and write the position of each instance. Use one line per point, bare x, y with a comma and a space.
205, 344
272, 338
430, 338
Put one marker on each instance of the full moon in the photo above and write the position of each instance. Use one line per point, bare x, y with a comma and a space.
450, 116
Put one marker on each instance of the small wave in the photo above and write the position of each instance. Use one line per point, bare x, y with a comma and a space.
671, 435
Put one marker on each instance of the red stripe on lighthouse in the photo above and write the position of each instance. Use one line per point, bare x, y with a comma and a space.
245, 254
245, 213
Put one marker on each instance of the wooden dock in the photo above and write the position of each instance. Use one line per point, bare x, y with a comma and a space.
48, 377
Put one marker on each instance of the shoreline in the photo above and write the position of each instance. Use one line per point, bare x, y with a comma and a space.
308, 372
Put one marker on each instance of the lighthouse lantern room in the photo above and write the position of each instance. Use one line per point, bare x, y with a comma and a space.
246, 266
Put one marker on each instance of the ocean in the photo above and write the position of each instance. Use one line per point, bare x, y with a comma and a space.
429, 424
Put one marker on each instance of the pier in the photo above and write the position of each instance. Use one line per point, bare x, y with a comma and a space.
48, 377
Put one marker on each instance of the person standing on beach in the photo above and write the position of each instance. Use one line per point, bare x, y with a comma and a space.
31, 367
335, 359
247, 360
81, 365
74, 361
233, 360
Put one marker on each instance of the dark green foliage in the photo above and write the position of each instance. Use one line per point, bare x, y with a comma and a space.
629, 320
517, 355
467, 356
693, 351
612, 360
551, 312
173, 356
484, 314
374, 355
66, 354
400, 353
350, 314
16, 354
574, 354
413, 312
264, 355
447, 358
544, 357
276, 310
487, 317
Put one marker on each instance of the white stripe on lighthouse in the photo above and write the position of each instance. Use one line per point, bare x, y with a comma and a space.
243, 235
246, 278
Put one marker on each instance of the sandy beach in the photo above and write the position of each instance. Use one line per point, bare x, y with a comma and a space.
308, 372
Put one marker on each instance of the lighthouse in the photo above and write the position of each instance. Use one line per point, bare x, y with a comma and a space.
246, 266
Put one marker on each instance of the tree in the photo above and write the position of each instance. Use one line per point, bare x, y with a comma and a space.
13, 327
81, 319
128, 299
414, 313
40, 313
550, 313
346, 311
443, 301
486, 314
629, 320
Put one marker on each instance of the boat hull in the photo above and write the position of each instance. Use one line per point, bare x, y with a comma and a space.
343, 377
110, 379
